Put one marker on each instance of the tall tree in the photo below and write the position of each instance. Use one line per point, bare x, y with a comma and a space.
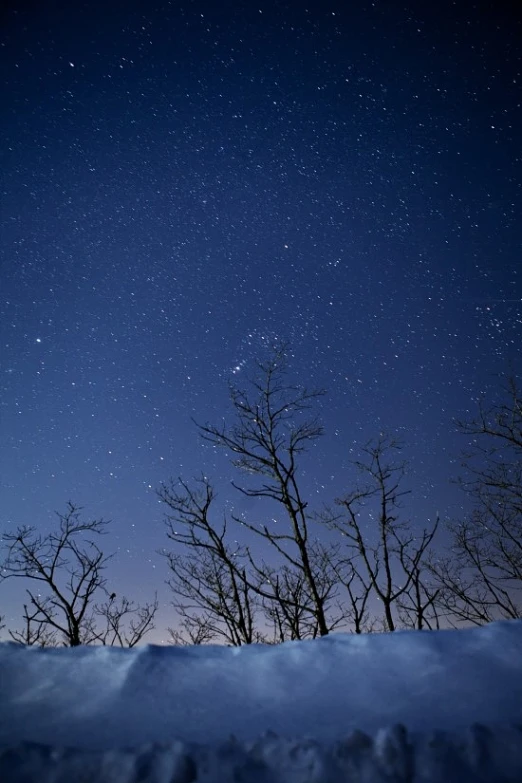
272, 428
224, 590
385, 557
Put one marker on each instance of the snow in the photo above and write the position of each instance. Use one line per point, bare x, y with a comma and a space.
409, 706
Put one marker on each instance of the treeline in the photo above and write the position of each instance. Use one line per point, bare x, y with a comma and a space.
356, 565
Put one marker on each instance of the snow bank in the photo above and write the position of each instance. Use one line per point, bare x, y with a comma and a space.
296, 712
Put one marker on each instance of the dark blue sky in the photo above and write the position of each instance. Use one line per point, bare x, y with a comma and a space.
184, 183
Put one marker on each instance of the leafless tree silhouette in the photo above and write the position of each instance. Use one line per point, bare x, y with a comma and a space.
272, 428
68, 567
211, 597
384, 556
481, 578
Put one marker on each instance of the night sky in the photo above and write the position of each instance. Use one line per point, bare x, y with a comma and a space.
186, 183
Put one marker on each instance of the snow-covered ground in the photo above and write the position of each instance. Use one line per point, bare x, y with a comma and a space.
384, 707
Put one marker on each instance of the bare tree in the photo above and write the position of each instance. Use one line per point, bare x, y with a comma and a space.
35, 632
481, 579
125, 623
272, 429
212, 599
68, 565
383, 553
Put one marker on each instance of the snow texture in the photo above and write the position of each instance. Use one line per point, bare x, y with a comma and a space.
411, 706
